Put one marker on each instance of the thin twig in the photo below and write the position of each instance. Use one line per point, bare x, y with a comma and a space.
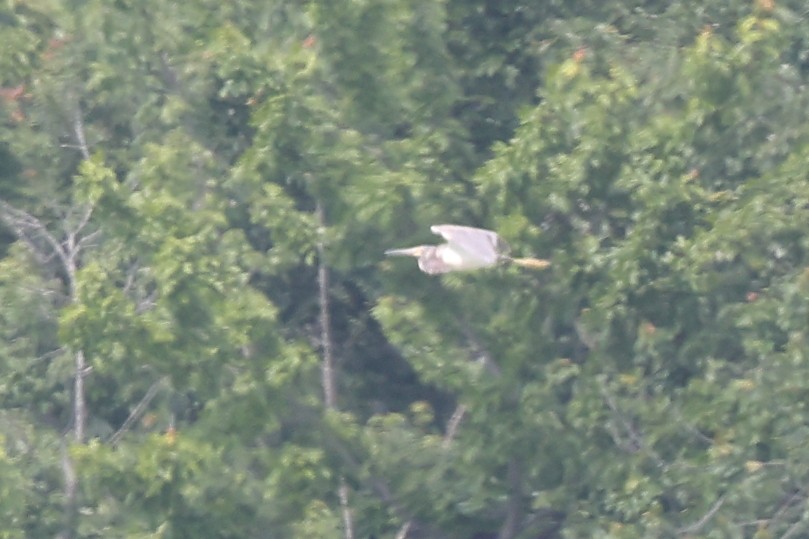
479, 350
794, 529
24, 224
452, 429
699, 524
137, 411
691, 428
78, 130
453, 424
635, 437
460, 411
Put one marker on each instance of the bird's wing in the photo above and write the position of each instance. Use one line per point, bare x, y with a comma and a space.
478, 241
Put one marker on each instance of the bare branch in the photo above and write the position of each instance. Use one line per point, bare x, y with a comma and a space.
84, 219
329, 384
403, 531
699, 524
79, 405
329, 390
453, 424
28, 229
452, 429
636, 438
794, 529
348, 524
86, 240
511, 524
44, 246
137, 411
793, 501
691, 428
71, 493
383, 491
479, 350
78, 132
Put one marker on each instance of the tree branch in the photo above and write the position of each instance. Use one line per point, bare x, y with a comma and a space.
636, 440
699, 524
79, 406
511, 524
71, 494
44, 245
329, 391
453, 424
479, 350
403, 531
78, 132
137, 411
452, 429
28, 228
329, 385
794, 529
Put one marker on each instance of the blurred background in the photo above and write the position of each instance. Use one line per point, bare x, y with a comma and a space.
200, 335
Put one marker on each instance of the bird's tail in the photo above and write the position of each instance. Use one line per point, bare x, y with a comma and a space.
533, 263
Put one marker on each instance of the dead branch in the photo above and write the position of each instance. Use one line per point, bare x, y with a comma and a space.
328, 376
699, 524
137, 411
78, 132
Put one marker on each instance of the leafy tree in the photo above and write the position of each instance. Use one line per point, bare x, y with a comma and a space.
198, 336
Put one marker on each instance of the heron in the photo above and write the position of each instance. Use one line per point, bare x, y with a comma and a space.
467, 248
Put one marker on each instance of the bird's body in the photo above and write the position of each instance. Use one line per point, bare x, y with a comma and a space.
467, 248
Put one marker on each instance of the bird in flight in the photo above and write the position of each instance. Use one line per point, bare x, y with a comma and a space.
467, 248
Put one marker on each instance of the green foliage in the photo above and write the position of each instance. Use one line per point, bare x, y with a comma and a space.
169, 486
642, 204
178, 179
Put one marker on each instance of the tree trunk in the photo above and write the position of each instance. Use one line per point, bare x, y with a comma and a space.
511, 525
65, 248
328, 376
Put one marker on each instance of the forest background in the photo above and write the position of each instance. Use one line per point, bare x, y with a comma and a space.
199, 336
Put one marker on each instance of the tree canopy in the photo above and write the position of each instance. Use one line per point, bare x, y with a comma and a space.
200, 336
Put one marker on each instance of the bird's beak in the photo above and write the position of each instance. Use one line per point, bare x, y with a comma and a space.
411, 251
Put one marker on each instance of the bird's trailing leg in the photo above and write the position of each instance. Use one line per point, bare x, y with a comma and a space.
533, 263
